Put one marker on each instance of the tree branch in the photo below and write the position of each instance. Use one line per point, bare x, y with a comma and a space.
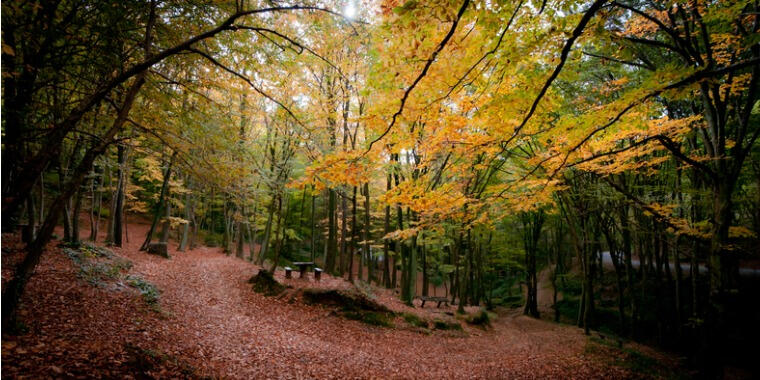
245, 79
425, 69
563, 58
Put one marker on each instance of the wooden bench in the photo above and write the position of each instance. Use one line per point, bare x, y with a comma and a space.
288, 272
317, 274
303, 266
440, 300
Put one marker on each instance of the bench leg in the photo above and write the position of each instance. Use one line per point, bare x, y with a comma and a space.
303, 272
423, 304
439, 304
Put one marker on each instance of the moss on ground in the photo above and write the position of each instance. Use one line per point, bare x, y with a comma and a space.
352, 305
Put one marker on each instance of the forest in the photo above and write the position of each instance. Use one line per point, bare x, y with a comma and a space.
573, 187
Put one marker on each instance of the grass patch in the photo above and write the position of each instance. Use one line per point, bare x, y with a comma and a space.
354, 305
640, 364
415, 321
349, 300
377, 319
96, 264
369, 317
150, 294
144, 361
443, 325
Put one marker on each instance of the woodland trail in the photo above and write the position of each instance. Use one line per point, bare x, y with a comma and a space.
213, 323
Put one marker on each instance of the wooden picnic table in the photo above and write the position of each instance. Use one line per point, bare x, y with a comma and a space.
303, 266
440, 300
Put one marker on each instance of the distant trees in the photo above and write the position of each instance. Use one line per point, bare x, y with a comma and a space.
61, 62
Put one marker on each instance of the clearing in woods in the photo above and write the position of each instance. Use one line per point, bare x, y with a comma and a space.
210, 323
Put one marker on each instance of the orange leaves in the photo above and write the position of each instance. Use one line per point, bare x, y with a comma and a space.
339, 168
639, 26
444, 201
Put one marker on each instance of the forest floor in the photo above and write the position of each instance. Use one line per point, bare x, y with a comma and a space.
90, 321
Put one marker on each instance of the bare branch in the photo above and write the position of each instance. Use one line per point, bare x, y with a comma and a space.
247, 80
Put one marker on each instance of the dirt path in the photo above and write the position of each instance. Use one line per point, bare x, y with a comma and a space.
235, 332
212, 321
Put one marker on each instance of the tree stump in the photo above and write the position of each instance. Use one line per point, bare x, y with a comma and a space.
159, 249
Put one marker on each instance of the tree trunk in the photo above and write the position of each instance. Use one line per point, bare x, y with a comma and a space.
332, 232
267, 232
75, 220
367, 234
386, 243
160, 204
67, 204
343, 231
186, 227
118, 211
532, 225
278, 234
313, 224
352, 250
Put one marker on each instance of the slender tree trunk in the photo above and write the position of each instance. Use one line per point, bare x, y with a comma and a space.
253, 231
313, 224
240, 235
352, 251
386, 243
343, 232
118, 212
67, 204
331, 247
31, 217
425, 280
267, 232
278, 234
160, 204
367, 235
532, 225
186, 227
75, 221
166, 228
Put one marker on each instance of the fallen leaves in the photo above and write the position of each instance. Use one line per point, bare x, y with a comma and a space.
213, 324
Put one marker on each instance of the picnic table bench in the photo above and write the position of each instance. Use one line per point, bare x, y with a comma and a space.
303, 266
440, 300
